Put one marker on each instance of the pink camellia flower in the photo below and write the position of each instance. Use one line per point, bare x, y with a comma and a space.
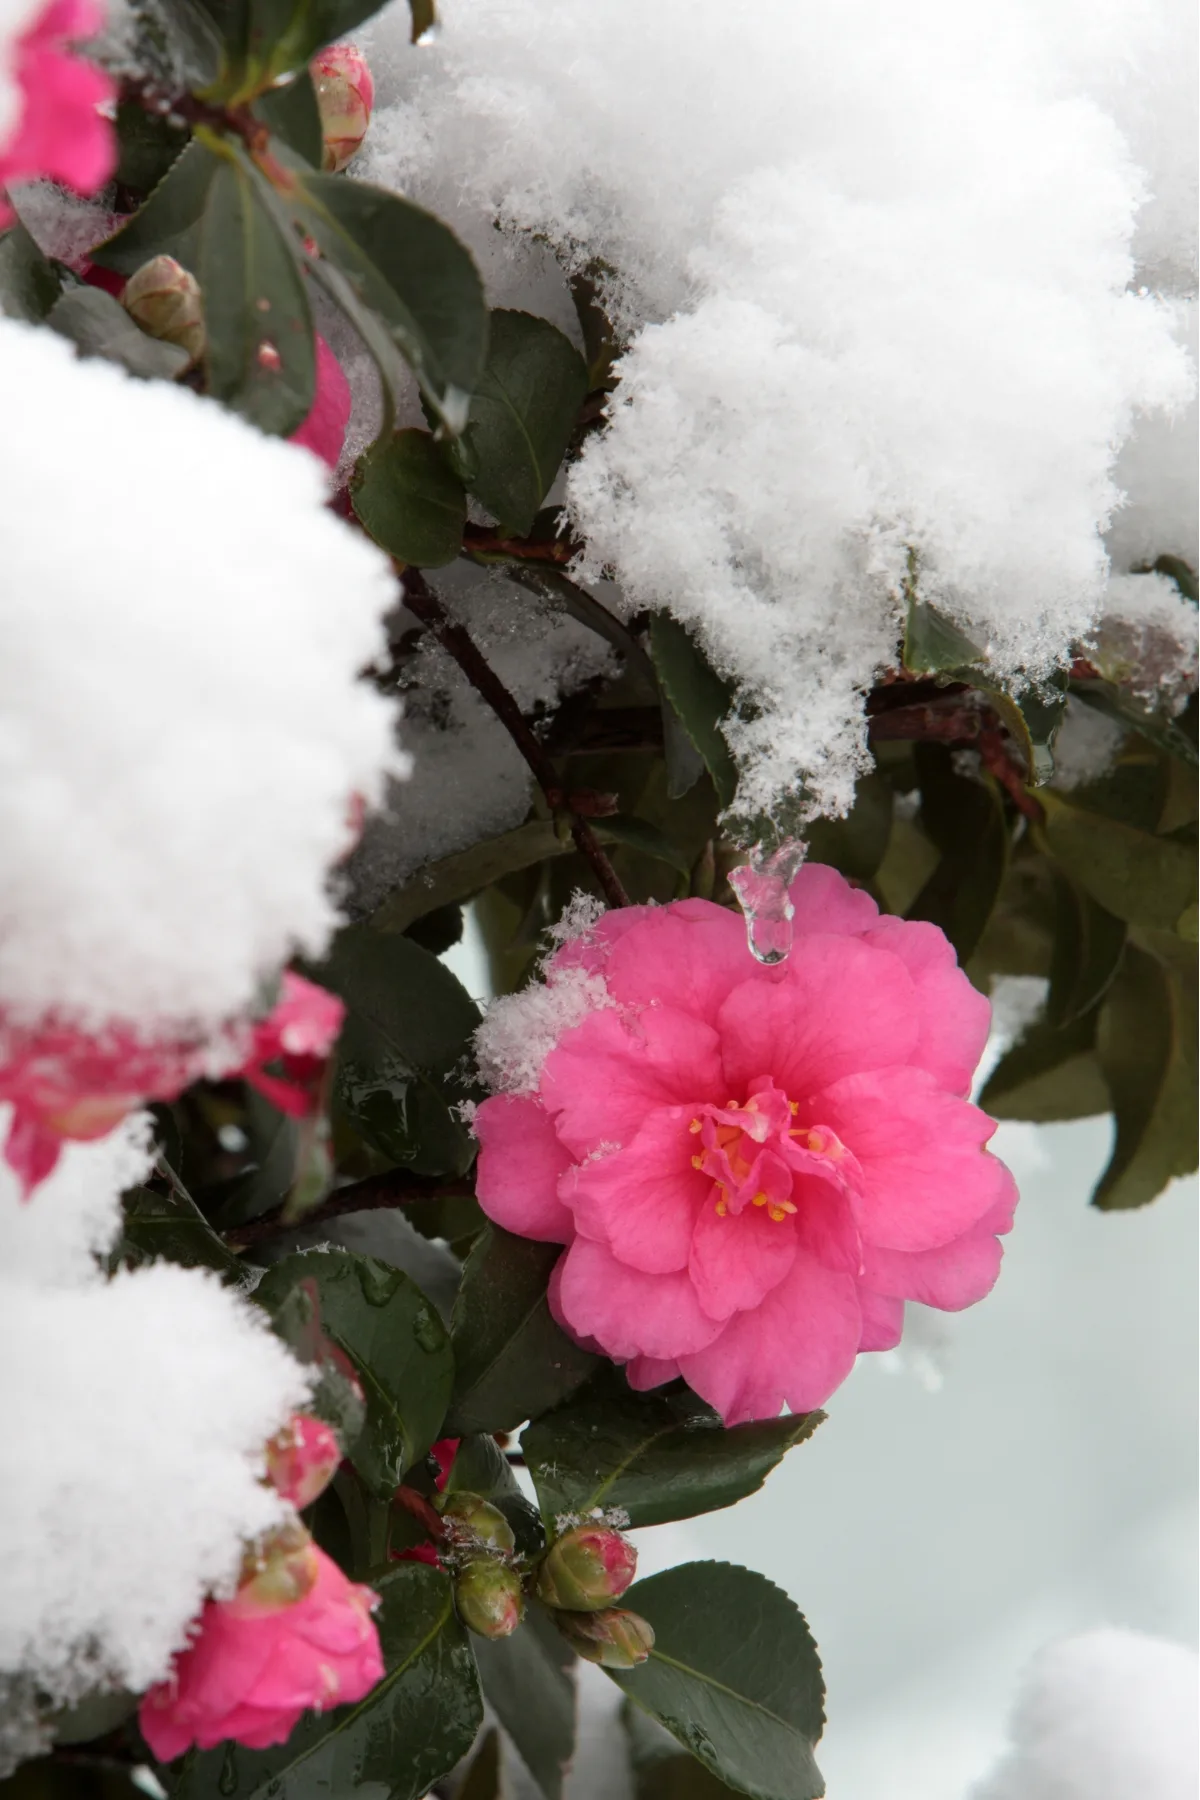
324, 430
66, 1083
753, 1167
345, 96
303, 1459
288, 1641
58, 129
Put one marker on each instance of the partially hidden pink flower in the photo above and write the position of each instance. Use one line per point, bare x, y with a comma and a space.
752, 1168
324, 430
303, 1459
59, 129
65, 1083
257, 1663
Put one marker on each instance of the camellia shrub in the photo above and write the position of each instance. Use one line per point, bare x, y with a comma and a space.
703, 495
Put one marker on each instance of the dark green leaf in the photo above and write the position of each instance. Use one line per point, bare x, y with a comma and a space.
1146, 880
565, 595
98, 325
1088, 942
639, 834
337, 1394
29, 282
409, 1731
168, 224
964, 818
439, 930
655, 1456
662, 1771
1146, 1042
171, 1227
409, 1022
858, 843
699, 696
481, 1467
399, 1347
386, 1234
409, 499
483, 1779
1157, 728
527, 1682
1050, 1073
522, 415
933, 643
511, 1361
148, 145
1178, 571
468, 872
424, 19
291, 113
272, 1148
734, 1676
260, 359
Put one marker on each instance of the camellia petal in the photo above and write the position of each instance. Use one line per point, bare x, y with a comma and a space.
736, 1260
604, 1076
627, 1312
642, 1201
705, 948
520, 1164
822, 900
882, 1320
953, 1015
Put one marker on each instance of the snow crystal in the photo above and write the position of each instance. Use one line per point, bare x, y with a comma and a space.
1158, 472
879, 281
1109, 1715
181, 727
1085, 746
1146, 638
133, 1413
520, 1030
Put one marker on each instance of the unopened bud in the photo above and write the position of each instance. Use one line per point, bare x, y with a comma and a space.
586, 1568
279, 1572
615, 1639
470, 1516
489, 1598
302, 1459
164, 298
345, 96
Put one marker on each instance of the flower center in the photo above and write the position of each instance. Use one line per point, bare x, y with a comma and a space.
753, 1150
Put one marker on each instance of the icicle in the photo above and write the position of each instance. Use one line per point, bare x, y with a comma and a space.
762, 887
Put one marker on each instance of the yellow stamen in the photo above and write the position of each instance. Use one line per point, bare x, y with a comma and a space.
759, 1200
695, 1125
697, 1162
722, 1209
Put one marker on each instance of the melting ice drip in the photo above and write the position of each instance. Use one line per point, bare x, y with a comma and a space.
762, 887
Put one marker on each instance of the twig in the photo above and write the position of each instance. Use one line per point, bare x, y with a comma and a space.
458, 643
392, 1188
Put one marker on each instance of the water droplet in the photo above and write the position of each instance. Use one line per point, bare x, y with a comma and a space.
378, 1283
428, 1330
699, 1742
227, 1780
268, 356
761, 886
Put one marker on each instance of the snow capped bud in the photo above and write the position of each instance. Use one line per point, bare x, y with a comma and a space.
345, 96
302, 1459
279, 1572
164, 298
586, 1569
470, 1516
615, 1639
489, 1598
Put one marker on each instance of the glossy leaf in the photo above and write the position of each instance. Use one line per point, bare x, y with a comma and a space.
1146, 880
933, 643
168, 223
481, 1467
1088, 945
1050, 1073
260, 358
398, 1345
29, 282
655, 1456
98, 325
148, 143
468, 872
857, 844
511, 1361
700, 697
661, 1770
483, 1780
964, 818
172, 1228
409, 1022
734, 1676
385, 1233
291, 113
527, 1682
410, 500
1146, 1042
411, 1729
522, 415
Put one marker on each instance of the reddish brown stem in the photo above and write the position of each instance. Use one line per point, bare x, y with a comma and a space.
419, 1507
392, 1188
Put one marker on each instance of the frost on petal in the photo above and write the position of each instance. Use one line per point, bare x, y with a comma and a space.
520, 1165
519, 1030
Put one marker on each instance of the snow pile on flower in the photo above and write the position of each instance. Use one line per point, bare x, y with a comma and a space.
878, 266
133, 1417
182, 734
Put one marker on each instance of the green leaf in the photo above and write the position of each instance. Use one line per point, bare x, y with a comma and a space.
1146, 880
964, 818
458, 877
734, 1676
409, 499
260, 358
522, 415
1088, 945
699, 696
424, 19
98, 325
481, 1467
483, 1779
398, 1345
406, 267
1159, 729
639, 834
408, 1732
168, 223
148, 144
857, 844
656, 1456
933, 643
662, 1771
171, 1228
1146, 1043
29, 282
291, 113
527, 1683
1050, 1073
511, 1361
1176, 570
409, 1023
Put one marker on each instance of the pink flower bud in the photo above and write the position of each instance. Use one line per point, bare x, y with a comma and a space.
281, 1571
164, 298
615, 1639
302, 1459
489, 1598
586, 1569
345, 96
473, 1520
